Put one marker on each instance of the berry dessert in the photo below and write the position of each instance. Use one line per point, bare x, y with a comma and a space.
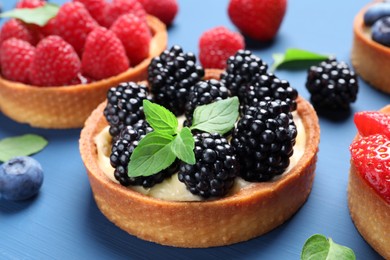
369, 179
69, 63
201, 175
370, 54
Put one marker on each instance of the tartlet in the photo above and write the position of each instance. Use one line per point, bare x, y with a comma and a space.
69, 106
370, 213
371, 60
246, 214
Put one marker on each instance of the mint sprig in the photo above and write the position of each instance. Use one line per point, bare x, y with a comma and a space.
160, 119
23, 145
39, 16
183, 146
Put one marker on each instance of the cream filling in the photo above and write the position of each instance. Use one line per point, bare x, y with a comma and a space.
171, 188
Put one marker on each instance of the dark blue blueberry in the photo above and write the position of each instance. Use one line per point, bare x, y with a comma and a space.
376, 12
381, 31
20, 178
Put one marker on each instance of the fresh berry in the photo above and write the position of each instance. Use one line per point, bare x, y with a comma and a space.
15, 58
376, 12
380, 31
264, 140
259, 20
104, 55
120, 7
371, 156
332, 85
30, 3
124, 106
55, 63
96, 9
217, 45
15, 28
372, 122
203, 93
215, 169
135, 36
171, 75
241, 69
20, 178
165, 10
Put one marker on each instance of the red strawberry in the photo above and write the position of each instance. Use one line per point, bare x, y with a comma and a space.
96, 8
119, 7
259, 20
73, 23
217, 45
135, 36
165, 10
14, 28
15, 59
371, 156
372, 122
55, 63
30, 3
104, 55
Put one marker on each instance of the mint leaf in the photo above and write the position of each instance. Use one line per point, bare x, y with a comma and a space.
218, 117
160, 119
23, 145
317, 247
183, 146
295, 58
152, 154
39, 16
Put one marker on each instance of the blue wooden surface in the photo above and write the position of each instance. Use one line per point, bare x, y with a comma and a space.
63, 222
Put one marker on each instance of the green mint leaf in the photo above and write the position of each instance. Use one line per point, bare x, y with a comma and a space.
152, 154
296, 58
160, 119
317, 247
218, 117
39, 16
23, 145
183, 146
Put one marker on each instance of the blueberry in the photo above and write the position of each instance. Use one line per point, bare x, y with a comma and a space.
20, 178
376, 12
381, 31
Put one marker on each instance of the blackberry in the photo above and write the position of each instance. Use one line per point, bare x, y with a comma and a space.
122, 149
332, 85
171, 75
264, 140
241, 68
202, 93
215, 169
124, 106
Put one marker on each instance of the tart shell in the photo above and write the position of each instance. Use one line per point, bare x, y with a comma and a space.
369, 212
69, 106
249, 213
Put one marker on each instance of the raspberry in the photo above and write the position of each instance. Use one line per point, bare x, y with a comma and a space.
96, 9
14, 28
104, 55
371, 156
217, 45
55, 63
135, 36
15, 58
30, 3
372, 122
119, 7
165, 10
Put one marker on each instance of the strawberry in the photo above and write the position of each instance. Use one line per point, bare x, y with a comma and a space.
217, 45
15, 28
30, 3
259, 20
96, 8
135, 36
55, 63
15, 59
165, 10
104, 55
371, 156
119, 7
372, 122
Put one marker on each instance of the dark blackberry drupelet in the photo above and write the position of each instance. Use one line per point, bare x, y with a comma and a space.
215, 169
332, 85
264, 140
124, 106
171, 75
241, 69
122, 150
203, 93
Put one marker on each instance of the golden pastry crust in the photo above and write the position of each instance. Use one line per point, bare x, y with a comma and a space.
370, 59
69, 106
248, 213
369, 212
